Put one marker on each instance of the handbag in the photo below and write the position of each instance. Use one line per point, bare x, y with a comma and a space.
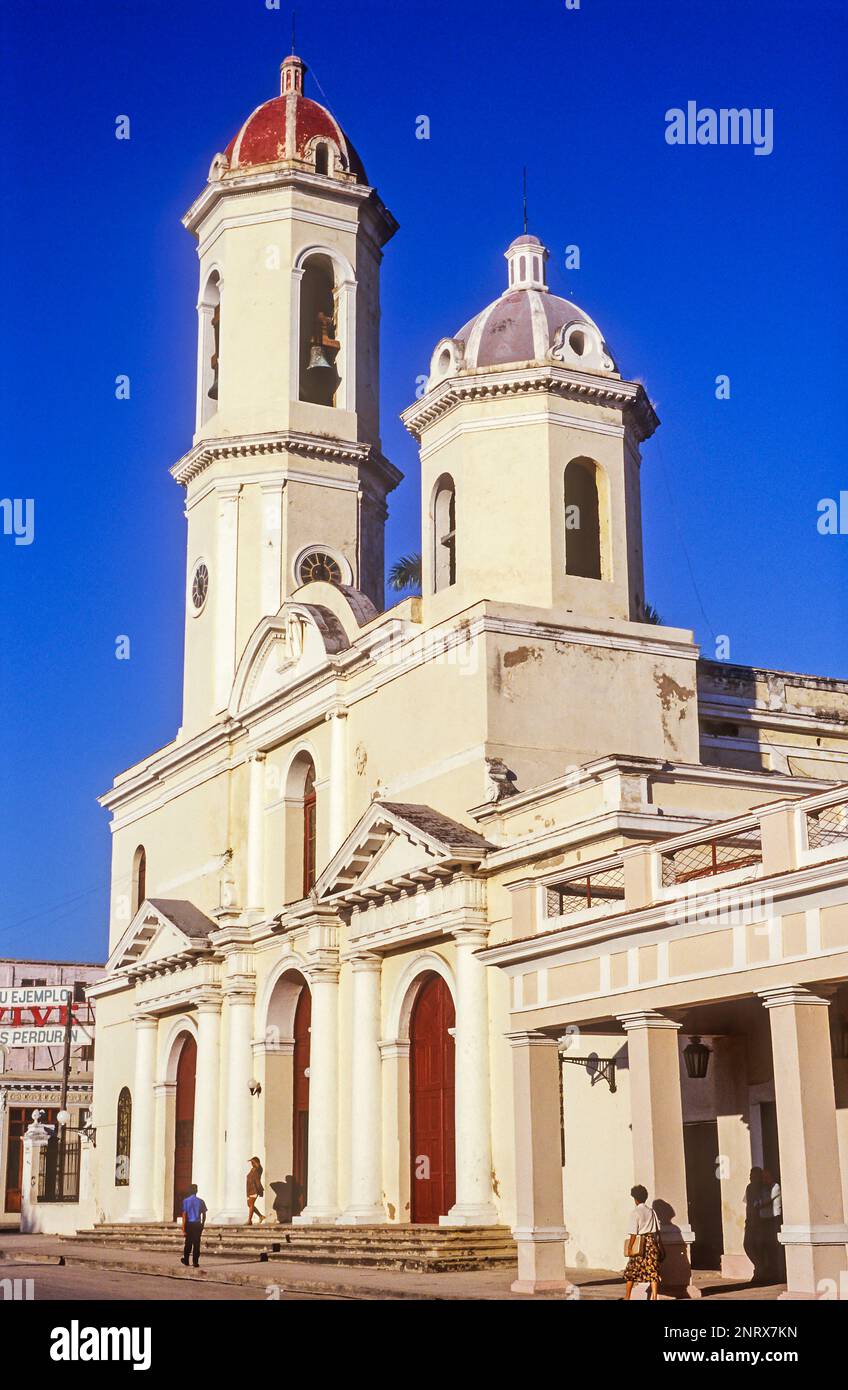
634, 1246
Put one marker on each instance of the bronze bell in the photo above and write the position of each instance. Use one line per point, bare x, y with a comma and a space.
318, 359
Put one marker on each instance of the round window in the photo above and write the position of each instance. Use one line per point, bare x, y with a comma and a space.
200, 586
319, 565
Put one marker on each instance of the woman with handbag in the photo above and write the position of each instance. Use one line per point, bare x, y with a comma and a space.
643, 1246
254, 1191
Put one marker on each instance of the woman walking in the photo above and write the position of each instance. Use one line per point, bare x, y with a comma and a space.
643, 1245
254, 1190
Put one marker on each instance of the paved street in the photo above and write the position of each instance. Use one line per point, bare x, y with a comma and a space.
71, 1283
123, 1273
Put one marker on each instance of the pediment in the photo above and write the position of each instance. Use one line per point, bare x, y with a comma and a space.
159, 930
399, 843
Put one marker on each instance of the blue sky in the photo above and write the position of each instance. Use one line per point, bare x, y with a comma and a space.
695, 261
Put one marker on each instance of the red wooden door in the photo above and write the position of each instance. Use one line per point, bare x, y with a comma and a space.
184, 1128
431, 1085
300, 1118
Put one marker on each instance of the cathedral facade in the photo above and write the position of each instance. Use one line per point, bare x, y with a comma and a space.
400, 869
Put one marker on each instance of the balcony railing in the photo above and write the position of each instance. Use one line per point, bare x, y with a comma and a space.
720, 854
590, 890
829, 826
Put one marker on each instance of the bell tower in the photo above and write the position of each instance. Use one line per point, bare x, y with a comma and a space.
530, 459
285, 482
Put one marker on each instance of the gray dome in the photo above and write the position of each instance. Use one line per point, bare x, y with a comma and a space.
527, 324
521, 326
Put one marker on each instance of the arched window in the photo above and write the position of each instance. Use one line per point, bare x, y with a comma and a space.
310, 824
139, 879
322, 159
301, 828
210, 355
582, 520
319, 345
124, 1137
444, 534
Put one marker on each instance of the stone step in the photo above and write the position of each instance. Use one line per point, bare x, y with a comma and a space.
436, 1237
418, 1262
421, 1248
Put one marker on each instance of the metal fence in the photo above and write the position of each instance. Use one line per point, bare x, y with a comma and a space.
738, 850
591, 890
829, 826
59, 1172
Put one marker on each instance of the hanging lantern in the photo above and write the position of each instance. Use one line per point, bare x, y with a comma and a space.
697, 1055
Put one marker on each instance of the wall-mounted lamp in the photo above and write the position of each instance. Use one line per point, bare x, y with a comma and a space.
697, 1056
254, 1086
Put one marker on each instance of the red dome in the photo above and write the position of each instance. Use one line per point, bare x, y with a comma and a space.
288, 128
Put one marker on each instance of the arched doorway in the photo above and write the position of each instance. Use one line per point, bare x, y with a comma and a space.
184, 1121
300, 1092
431, 1089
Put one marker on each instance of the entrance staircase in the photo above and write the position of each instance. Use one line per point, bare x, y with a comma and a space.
426, 1249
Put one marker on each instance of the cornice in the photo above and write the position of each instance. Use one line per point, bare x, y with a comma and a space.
329, 449
234, 186
528, 380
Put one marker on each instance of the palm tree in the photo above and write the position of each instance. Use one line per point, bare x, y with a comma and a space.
405, 574
649, 614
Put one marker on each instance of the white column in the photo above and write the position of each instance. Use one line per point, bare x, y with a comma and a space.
338, 825
474, 1205
256, 830
140, 1206
813, 1231
323, 1161
366, 1205
206, 1099
224, 579
239, 999
272, 547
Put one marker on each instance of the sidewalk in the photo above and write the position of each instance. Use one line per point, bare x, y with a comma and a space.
333, 1281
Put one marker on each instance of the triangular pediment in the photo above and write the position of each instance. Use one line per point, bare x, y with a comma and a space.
402, 844
161, 928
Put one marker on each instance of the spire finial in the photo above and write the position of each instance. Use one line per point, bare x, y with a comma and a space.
525, 200
294, 30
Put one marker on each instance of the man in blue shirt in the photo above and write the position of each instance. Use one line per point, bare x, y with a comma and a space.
194, 1219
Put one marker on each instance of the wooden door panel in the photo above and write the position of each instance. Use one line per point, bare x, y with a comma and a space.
432, 1103
184, 1123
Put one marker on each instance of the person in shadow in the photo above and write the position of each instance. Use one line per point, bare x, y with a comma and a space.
752, 1242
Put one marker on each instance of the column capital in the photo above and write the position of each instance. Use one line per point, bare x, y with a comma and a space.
228, 491
209, 1002
337, 712
365, 962
791, 994
530, 1038
646, 1018
257, 755
323, 972
474, 936
239, 992
394, 1047
145, 1021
